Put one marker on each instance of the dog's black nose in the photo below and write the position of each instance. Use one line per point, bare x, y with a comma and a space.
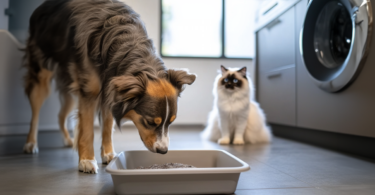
161, 151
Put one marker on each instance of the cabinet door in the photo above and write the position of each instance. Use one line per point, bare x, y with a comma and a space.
276, 43
15, 111
276, 69
277, 95
3, 17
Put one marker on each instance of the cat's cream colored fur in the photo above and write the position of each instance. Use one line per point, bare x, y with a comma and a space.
236, 116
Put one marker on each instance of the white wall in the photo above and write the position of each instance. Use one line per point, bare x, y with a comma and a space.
196, 100
3, 18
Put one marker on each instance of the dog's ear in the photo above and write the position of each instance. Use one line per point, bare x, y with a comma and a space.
123, 94
178, 78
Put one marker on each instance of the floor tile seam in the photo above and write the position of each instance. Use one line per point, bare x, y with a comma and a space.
314, 186
348, 186
276, 169
258, 161
291, 176
265, 164
296, 177
280, 188
327, 190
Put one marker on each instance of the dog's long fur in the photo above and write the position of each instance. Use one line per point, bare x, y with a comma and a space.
99, 51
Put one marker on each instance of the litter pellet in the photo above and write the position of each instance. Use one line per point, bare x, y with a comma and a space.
167, 166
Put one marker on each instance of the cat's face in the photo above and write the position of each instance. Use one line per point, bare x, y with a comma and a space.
232, 79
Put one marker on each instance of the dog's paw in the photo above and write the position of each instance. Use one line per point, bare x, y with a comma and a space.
238, 141
106, 158
224, 141
31, 148
68, 142
88, 166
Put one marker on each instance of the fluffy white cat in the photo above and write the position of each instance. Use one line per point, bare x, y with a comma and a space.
235, 116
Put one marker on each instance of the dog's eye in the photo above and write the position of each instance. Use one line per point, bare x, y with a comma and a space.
150, 123
226, 80
235, 81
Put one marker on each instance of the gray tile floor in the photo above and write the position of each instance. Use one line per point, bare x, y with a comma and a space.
283, 167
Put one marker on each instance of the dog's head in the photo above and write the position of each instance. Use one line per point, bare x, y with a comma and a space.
150, 104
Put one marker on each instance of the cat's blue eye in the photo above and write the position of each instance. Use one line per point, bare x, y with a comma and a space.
226, 80
235, 81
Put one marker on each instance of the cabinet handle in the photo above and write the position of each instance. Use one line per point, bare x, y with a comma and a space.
273, 74
270, 7
277, 71
8, 12
273, 23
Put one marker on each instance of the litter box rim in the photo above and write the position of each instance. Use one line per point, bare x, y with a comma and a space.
212, 170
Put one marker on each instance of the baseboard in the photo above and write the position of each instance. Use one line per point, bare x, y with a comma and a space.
357, 145
13, 144
23, 129
179, 126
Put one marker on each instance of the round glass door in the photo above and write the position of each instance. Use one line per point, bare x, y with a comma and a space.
331, 39
333, 35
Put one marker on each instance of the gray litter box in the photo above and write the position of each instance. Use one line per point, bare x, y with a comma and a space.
217, 172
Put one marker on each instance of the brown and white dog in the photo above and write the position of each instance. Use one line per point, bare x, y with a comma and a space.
99, 52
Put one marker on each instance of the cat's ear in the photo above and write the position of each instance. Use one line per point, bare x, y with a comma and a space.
223, 70
242, 71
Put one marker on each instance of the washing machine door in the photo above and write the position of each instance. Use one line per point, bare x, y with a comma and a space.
335, 41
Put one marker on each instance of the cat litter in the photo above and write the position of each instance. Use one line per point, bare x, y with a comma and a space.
214, 172
168, 166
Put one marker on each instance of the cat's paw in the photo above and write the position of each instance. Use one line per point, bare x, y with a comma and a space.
238, 141
68, 142
31, 148
224, 141
88, 166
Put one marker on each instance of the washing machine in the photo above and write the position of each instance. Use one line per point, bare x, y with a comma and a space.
336, 69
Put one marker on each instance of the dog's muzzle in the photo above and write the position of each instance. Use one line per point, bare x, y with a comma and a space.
162, 150
161, 145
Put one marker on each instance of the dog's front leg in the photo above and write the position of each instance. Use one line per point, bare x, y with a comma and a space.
108, 151
86, 112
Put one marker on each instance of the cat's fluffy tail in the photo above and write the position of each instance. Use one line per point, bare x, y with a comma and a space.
212, 131
257, 130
